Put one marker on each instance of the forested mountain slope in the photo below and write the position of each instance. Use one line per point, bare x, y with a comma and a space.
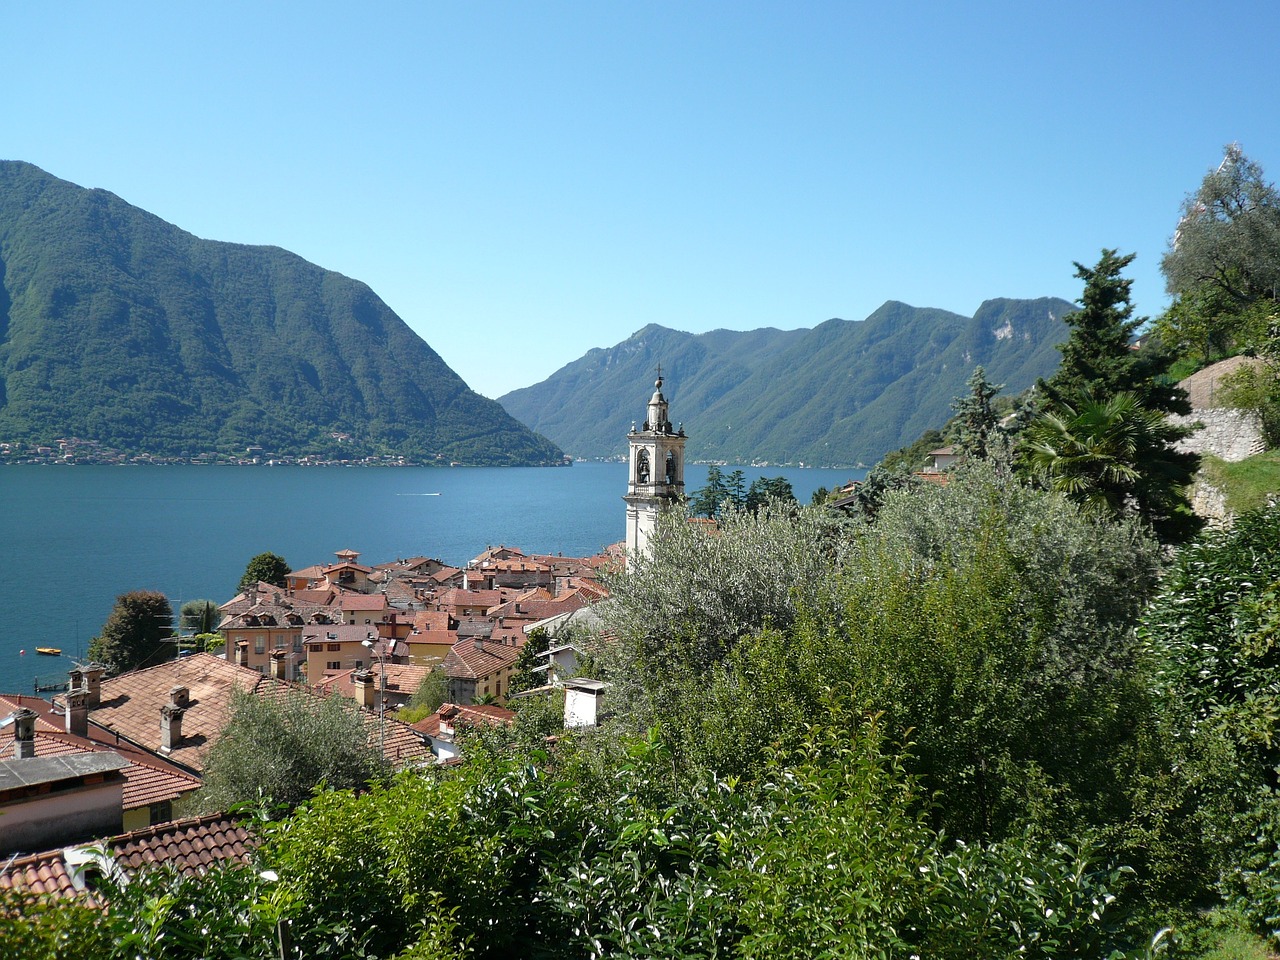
838, 394
118, 327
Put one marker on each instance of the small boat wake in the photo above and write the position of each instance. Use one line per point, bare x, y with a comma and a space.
417, 494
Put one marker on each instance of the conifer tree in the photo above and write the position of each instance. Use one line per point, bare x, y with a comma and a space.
978, 423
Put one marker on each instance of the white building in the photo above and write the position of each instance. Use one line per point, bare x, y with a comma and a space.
655, 480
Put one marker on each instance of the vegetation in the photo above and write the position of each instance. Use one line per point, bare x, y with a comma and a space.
427, 699
119, 328
1246, 484
138, 633
199, 617
1102, 436
280, 747
725, 493
840, 394
264, 568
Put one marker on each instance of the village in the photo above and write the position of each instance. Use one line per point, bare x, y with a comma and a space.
120, 756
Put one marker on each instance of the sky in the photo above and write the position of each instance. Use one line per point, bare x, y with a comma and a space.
522, 182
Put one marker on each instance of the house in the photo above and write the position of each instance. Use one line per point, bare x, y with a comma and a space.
477, 669
392, 683
152, 785
178, 708
52, 800
444, 727
334, 648
191, 847
257, 626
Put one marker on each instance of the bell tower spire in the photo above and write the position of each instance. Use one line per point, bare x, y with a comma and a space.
655, 479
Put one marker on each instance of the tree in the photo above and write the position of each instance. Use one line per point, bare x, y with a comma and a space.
1213, 638
978, 423
769, 490
707, 501
1102, 436
426, 700
1098, 360
281, 746
523, 678
137, 634
1114, 458
264, 568
1229, 235
198, 616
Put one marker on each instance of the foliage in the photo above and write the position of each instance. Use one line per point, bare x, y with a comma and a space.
842, 394
125, 330
1229, 234
283, 745
427, 699
523, 678
1247, 484
198, 616
977, 418
914, 456
138, 632
1212, 638
264, 568
679, 612
1115, 457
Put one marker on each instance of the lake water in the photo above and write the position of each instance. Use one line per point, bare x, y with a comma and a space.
74, 538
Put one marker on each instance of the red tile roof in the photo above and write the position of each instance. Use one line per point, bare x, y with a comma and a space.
190, 846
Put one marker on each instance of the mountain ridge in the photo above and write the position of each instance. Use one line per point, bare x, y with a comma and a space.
119, 327
837, 394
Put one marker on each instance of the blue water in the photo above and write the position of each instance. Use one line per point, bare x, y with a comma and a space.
73, 538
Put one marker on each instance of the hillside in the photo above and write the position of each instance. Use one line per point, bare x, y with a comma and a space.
118, 327
839, 394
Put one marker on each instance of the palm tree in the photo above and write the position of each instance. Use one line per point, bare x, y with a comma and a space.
1100, 453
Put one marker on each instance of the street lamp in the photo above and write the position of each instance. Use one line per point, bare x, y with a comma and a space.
382, 692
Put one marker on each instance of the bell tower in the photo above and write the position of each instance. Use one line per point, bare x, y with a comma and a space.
655, 478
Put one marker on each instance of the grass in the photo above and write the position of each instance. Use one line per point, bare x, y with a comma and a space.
1246, 483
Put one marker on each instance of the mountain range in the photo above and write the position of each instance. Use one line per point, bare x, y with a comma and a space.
839, 394
120, 328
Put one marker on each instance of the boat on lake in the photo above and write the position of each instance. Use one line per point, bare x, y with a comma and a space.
50, 651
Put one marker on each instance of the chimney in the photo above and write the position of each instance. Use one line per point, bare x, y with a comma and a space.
24, 733
279, 664
364, 688
479, 644
180, 696
242, 653
92, 684
77, 711
170, 726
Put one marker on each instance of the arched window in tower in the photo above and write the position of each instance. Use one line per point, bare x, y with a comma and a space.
642, 466
671, 466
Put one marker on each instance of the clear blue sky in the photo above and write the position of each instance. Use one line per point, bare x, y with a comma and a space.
524, 181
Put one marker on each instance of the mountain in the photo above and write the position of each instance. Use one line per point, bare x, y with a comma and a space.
839, 394
120, 328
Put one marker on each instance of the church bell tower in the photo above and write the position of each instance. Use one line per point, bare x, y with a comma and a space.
655, 478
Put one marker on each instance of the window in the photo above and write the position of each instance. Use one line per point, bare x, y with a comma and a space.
333, 665
259, 644
335, 648
161, 812
297, 644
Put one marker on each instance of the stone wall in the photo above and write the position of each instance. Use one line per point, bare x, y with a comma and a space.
1228, 434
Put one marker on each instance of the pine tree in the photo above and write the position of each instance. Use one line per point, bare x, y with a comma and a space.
978, 424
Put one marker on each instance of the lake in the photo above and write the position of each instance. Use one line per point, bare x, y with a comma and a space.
76, 537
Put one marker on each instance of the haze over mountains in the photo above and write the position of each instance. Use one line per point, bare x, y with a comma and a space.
839, 394
118, 327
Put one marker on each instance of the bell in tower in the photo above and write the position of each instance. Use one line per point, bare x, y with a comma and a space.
655, 478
